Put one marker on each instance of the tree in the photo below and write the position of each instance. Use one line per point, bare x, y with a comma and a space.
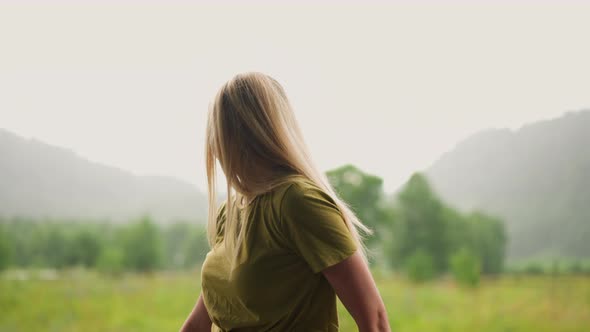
364, 194
488, 241
420, 224
5, 248
86, 248
142, 246
484, 235
362, 191
53, 246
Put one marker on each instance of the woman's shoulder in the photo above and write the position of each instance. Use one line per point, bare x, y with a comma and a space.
295, 184
300, 190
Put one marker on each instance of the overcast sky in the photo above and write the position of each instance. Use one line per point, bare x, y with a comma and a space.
388, 88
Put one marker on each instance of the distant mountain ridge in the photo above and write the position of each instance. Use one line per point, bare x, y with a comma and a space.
39, 180
537, 178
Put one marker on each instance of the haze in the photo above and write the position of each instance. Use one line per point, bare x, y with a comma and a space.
387, 88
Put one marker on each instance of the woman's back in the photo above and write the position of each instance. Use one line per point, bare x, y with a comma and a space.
293, 232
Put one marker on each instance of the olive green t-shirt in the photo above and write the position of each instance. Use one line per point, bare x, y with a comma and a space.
293, 233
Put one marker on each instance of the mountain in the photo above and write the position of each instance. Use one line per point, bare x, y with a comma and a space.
537, 178
38, 180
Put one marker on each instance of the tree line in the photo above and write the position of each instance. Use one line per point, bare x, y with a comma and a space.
141, 245
415, 232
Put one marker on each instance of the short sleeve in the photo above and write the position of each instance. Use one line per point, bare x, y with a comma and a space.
314, 227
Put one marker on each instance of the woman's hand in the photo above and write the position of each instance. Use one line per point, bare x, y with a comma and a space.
353, 283
198, 320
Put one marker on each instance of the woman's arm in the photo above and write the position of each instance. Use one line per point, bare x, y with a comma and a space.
198, 320
353, 283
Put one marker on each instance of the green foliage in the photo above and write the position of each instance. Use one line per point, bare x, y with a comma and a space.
576, 268
488, 240
84, 248
416, 233
142, 246
176, 237
424, 222
466, 267
49, 243
420, 266
5, 249
421, 224
482, 234
550, 266
186, 245
111, 261
364, 194
534, 268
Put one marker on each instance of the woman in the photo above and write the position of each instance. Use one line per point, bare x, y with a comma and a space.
284, 245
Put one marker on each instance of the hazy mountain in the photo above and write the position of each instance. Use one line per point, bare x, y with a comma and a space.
537, 178
40, 180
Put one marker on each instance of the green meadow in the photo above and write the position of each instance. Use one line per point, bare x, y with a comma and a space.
81, 300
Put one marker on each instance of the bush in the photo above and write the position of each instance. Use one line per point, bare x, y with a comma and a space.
111, 261
534, 268
420, 266
83, 249
466, 267
576, 268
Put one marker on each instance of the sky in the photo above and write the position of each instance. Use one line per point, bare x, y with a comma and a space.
387, 87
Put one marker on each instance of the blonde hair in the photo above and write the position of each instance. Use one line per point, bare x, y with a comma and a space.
251, 126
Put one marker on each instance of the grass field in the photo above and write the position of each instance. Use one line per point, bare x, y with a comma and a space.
85, 301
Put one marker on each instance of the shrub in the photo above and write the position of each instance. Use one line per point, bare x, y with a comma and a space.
533, 268
466, 267
111, 261
420, 266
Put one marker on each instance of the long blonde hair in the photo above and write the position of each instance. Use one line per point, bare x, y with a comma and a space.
251, 126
